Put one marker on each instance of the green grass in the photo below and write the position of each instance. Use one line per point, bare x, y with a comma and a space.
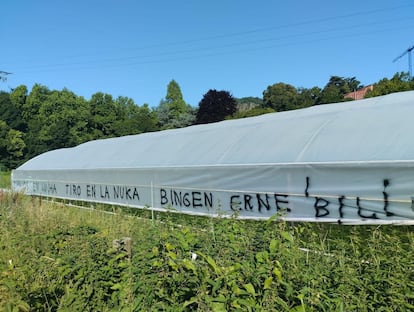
58, 258
5, 179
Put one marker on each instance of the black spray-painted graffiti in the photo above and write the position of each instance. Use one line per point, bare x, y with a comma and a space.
44, 188
92, 191
259, 202
319, 206
192, 199
323, 206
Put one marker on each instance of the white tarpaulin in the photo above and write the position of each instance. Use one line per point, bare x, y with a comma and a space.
348, 162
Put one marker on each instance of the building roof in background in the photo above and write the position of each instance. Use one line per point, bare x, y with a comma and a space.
359, 94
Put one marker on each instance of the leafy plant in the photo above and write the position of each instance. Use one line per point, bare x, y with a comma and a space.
59, 258
5, 180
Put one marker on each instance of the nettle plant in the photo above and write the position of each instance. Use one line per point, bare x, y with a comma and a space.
60, 258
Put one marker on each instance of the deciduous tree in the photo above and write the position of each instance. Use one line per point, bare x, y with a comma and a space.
15, 148
399, 82
63, 117
31, 116
18, 98
135, 119
103, 115
11, 146
215, 106
308, 97
281, 97
337, 87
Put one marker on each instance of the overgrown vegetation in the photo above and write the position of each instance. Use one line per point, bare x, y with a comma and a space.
5, 179
60, 258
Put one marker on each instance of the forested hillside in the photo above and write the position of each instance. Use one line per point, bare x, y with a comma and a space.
38, 120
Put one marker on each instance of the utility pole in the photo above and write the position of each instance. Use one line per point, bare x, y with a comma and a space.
3, 75
408, 51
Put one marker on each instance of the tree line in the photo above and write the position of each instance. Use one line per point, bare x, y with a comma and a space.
39, 120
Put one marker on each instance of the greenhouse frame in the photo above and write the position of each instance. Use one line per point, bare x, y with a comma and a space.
350, 162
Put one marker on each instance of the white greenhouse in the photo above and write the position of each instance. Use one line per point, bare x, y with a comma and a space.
350, 162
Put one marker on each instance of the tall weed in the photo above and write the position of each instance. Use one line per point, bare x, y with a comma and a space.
60, 258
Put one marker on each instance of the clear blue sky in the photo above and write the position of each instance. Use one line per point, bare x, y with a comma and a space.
135, 48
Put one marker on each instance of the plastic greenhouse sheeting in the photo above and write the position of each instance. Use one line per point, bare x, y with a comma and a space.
350, 162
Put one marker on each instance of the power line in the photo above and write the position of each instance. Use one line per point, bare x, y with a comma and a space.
408, 51
215, 50
3, 75
242, 35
